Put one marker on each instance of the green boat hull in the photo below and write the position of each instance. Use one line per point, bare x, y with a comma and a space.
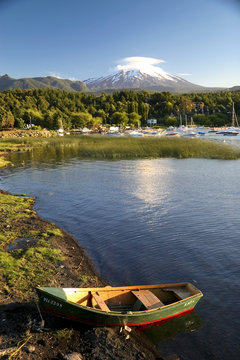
55, 303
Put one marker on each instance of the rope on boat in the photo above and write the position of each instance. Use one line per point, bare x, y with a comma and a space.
42, 320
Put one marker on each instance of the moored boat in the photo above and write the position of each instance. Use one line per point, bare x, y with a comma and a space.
231, 133
191, 134
120, 306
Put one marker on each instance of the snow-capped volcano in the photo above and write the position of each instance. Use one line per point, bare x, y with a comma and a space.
142, 73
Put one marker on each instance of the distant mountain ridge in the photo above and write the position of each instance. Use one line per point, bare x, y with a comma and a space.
135, 79
8, 83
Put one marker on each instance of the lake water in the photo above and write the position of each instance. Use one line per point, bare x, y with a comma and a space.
147, 222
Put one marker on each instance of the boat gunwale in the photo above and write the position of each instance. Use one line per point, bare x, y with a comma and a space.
117, 288
130, 313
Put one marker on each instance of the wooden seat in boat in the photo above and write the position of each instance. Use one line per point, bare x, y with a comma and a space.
101, 303
148, 299
180, 293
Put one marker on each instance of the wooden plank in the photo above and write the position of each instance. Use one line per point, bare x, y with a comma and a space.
129, 288
181, 293
148, 299
101, 303
137, 305
80, 301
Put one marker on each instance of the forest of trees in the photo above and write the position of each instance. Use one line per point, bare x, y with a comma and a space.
50, 108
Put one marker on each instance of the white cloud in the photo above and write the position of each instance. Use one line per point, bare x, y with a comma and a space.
53, 74
139, 62
185, 74
60, 76
146, 65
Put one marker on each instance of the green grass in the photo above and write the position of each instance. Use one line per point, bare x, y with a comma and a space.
65, 334
22, 269
12, 208
13, 145
117, 148
3, 162
25, 269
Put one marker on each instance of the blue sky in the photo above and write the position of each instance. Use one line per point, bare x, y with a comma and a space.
79, 39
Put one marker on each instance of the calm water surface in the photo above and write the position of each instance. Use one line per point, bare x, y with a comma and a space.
152, 221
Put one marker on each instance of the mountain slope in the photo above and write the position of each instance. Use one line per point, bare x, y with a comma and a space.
157, 80
137, 79
8, 83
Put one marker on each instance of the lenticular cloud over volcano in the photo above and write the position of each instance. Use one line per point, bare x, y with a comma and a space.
143, 64
141, 73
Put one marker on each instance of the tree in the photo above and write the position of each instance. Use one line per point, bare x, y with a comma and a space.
33, 116
80, 119
186, 106
96, 121
201, 119
19, 123
7, 120
144, 111
46, 107
134, 119
120, 118
132, 106
101, 113
170, 121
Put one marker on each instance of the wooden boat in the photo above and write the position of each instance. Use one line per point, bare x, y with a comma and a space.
120, 306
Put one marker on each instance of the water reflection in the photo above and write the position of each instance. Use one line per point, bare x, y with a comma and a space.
151, 181
47, 154
168, 329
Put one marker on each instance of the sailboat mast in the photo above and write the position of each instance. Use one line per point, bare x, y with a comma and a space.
233, 111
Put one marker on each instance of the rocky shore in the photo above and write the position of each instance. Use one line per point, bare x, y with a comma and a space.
26, 332
18, 133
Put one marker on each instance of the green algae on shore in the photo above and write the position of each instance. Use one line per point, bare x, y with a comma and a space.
3, 162
27, 256
35, 252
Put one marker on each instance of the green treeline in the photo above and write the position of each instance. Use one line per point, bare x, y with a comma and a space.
50, 108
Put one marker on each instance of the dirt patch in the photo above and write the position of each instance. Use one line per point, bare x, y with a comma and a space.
22, 335
60, 337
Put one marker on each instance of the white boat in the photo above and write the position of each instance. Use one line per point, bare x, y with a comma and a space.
190, 134
60, 132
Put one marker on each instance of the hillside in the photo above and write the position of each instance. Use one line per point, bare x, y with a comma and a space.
156, 80
8, 83
130, 80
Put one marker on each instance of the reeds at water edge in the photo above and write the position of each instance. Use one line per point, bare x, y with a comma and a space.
117, 148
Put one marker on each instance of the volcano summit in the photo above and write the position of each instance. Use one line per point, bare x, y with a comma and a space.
142, 73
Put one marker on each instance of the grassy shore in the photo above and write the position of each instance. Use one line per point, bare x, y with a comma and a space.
32, 251
117, 148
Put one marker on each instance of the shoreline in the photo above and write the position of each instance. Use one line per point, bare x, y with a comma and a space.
98, 147
21, 333
19, 316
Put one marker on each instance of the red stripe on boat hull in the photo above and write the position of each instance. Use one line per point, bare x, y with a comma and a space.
90, 322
